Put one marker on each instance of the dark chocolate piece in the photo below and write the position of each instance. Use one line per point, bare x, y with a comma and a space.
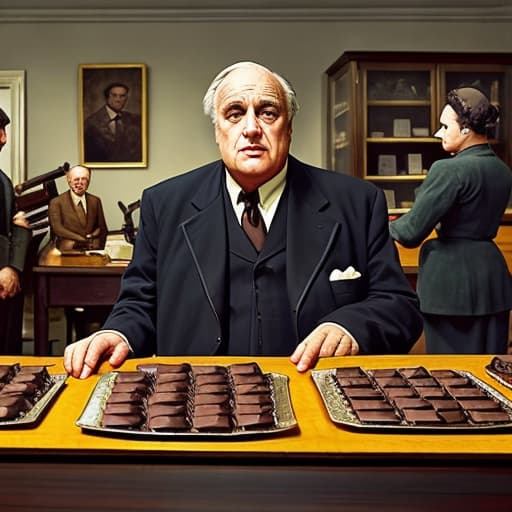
479, 405
168, 398
396, 392
388, 382
247, 389
414, 373
423, 382
357, 382
168, 423
210, 410
352, 371
370, 405
254, 420
362, 393
208, 370
403, 402
212, 423
171, 387
488, 416
132, 421
129, 387
421, 416
119, 398
384, 372
155, 410
377, 416
132, 377
455, 416
431, 392
123, 408
444, 404
244, 368
467, 392
211, 398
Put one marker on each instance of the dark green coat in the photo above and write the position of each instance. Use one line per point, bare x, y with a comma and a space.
462, 271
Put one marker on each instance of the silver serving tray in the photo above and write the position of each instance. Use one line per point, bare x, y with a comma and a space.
90, 419
341, 413
496, 375
32, 416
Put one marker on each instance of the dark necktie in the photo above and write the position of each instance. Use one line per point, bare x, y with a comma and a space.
118, 127
81, 212
252, 221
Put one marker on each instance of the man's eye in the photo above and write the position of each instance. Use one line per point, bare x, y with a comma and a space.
268, 115
234, 115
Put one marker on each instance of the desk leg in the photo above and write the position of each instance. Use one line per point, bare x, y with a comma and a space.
41, 323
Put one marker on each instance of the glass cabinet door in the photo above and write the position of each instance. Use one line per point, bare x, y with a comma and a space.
494, 81
342, 155
398, 128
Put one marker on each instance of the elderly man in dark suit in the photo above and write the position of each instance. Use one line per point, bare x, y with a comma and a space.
76, 217
14, 240
321, 278
113, 134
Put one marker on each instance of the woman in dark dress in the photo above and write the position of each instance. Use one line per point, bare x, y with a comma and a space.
464, 285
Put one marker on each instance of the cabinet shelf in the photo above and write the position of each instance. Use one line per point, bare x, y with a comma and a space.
395, 178
387, 105
393, 140
398, 103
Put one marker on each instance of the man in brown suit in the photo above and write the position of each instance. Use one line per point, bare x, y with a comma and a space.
76, 217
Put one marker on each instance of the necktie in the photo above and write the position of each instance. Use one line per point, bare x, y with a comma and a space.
81, 212
118, 127
252, 221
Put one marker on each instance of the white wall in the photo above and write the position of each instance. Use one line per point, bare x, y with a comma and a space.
182, 58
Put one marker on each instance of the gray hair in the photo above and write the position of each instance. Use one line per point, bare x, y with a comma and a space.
209, 97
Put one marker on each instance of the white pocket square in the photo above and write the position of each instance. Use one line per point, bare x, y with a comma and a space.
340, 275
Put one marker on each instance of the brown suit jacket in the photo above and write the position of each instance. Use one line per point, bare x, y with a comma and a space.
69, 231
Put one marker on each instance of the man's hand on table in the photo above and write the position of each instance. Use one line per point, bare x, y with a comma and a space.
82, 358
326, 340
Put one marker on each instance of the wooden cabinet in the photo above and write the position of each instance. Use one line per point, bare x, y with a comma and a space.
383, 109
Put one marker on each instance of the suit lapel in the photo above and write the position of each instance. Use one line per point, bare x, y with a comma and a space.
310, 234
205, 234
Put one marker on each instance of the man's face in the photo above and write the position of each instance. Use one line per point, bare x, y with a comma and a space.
3, 138
252, 127
117, 97
450, 133
78, 180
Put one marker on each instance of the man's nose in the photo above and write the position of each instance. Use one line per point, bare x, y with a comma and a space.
252, 125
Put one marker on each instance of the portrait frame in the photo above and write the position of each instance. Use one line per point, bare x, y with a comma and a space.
12, 100
96, 131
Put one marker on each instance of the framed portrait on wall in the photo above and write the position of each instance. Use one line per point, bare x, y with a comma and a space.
113, 115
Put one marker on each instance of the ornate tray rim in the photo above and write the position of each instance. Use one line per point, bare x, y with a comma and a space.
340, 413
90, 419
40, 407
496, 376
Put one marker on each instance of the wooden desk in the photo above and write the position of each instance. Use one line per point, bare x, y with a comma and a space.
70, 281
318, 466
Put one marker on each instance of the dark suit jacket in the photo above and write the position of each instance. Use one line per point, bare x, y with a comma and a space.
14, 240
173, 296
67, 227
100, 144
462, 272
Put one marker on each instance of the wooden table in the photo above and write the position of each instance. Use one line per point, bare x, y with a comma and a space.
70, 281
317, 467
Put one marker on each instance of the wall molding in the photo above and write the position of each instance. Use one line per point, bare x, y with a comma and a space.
500, 14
